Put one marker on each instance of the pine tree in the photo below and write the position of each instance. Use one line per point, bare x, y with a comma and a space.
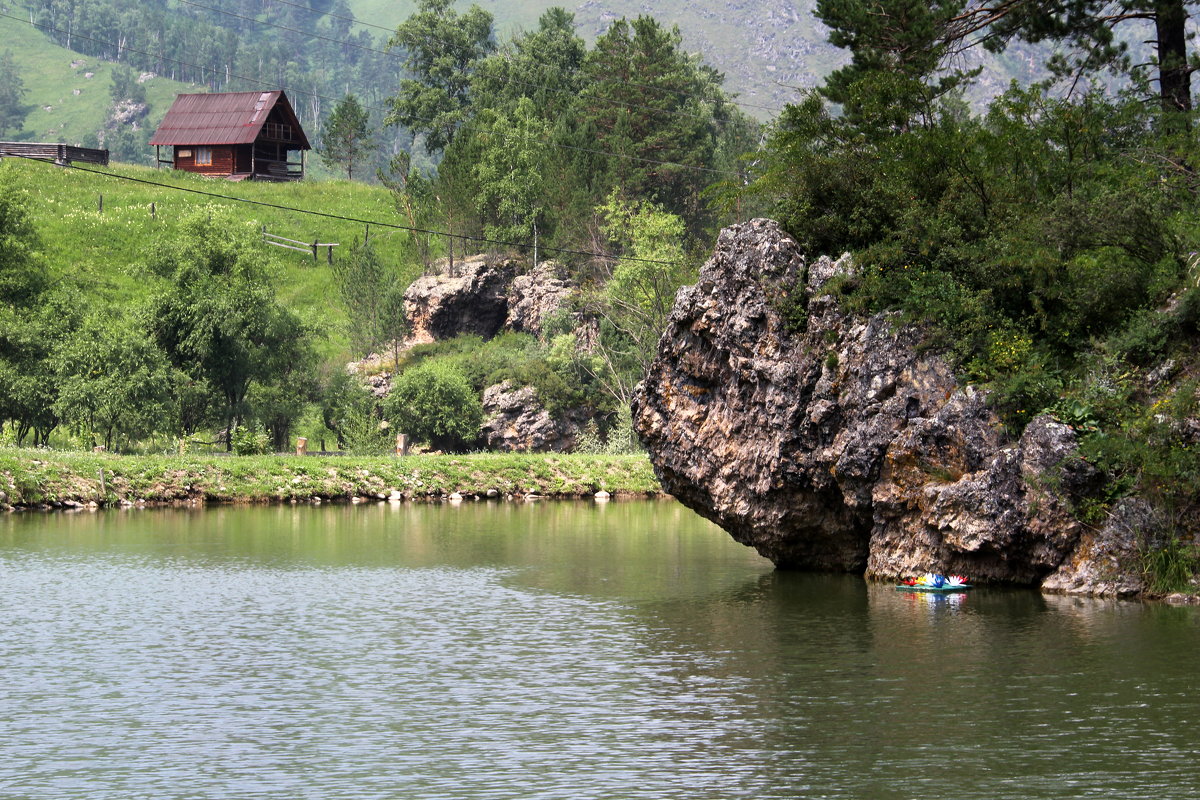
899, 51
1088, 26
347, 137
651, 102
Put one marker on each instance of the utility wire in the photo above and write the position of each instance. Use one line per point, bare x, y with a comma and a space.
327, 215
356, 21
380, 109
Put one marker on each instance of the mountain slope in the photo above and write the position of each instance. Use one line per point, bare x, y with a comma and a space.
70, 92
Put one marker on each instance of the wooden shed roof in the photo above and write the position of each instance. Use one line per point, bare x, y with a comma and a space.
224, 118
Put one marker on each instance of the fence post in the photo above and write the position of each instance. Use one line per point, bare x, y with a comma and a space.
314, 247
331, 255
401, 444
301, 446
100, 204
153, 212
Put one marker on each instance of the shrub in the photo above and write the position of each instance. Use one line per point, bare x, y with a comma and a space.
435, 403
250, 441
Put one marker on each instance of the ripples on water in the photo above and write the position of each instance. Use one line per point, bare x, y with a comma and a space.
557, 651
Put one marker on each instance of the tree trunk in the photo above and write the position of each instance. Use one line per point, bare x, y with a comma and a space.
1174, 74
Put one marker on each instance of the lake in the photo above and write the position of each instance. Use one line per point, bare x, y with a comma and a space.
556, 651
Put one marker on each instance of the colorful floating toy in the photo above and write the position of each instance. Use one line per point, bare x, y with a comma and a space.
932, 582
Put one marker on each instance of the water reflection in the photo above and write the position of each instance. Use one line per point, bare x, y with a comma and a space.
553, 650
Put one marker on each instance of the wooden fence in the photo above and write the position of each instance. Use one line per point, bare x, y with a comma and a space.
296, 244
61, 154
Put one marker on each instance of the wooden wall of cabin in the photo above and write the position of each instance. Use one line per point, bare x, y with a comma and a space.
222, 160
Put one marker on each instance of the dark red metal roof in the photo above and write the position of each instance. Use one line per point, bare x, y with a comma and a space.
224, 118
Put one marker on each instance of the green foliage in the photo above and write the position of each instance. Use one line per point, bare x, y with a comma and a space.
1017, 238
12, 93
1171, 566
216, 316
31, 323
897, 47
125, 86
562, 384
589, 442
442, 48
250, 441
349, 410
373, 293
346, 138
621, 440
1086, 34
112, 381
508, 172
638, 292
22, 273
645, 97
435, 403
37, 476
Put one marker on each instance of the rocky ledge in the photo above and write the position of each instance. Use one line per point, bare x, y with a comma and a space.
835, 442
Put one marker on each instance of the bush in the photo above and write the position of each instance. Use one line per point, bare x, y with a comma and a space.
250, 441
435, 403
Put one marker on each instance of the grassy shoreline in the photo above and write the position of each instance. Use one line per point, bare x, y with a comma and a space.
51, 479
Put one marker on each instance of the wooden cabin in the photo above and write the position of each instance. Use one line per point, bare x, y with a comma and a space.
234, 135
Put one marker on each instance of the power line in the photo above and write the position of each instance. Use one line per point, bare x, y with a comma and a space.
343, 218
380, 109
352, 19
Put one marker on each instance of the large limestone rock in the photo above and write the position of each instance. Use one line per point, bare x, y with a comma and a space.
473, 298
828, 441
517, 422
537, 296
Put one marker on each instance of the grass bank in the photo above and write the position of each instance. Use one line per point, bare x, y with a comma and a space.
40, 478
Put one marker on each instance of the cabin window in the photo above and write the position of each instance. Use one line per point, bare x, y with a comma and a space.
203, 156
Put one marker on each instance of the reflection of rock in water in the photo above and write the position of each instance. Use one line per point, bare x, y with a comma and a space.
827, 440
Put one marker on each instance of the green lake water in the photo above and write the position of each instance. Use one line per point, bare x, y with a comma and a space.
563, 651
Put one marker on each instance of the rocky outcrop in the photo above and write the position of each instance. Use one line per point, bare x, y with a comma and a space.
473, 298
829, 441
536, 297
517, 422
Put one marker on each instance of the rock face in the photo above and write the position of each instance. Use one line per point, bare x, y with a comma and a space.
537, 296
472, 299
517, 422
828, 441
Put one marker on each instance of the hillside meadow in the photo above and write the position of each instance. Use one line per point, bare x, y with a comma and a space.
96, 226
68, 105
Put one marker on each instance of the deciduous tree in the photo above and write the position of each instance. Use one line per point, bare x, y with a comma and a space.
441, 49
216, 314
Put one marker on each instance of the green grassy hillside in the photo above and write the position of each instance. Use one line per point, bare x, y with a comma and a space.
99, 251
70, 107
